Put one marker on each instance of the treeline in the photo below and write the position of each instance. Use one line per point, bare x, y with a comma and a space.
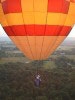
64, 62
67, 52
4, 54
17, 82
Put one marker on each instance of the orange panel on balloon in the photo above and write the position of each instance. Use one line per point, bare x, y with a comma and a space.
59, 40
39, 44
40, 5
23, 45
47, 43
27, 5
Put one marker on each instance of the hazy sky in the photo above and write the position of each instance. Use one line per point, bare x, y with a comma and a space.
72, 33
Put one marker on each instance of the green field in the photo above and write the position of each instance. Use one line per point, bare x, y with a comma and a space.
14, 59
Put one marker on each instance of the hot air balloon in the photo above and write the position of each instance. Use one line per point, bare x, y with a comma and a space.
37, 27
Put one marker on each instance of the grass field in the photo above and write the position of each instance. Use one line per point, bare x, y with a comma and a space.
65, 47
49, 65
14, 59
71, 57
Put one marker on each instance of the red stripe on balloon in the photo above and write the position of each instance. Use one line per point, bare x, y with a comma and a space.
14, 6
37, 30
11, 6
61, 6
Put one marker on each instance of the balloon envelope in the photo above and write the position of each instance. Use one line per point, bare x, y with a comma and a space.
37, 27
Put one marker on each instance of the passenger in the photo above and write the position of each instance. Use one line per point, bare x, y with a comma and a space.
37, 80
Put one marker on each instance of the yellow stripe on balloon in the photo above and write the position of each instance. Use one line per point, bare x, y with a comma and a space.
28, 17
2, 17
56, 18
70, 21
37, 18
14, 18
34, 18
40, 18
